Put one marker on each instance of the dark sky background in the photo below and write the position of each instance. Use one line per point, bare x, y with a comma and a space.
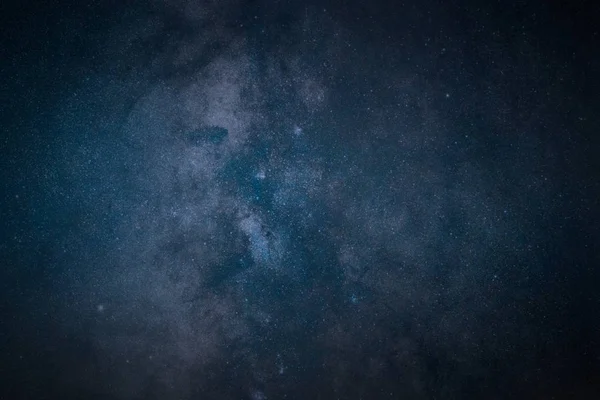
299, 200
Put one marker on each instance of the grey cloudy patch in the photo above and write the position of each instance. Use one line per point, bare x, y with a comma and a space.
309, 88
220, 95
352, 260
313, 93
265, 245
161, 312
158, 312
164, 339
294, 72
258, 395
223, 95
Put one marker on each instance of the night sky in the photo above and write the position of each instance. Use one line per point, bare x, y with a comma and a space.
299, 200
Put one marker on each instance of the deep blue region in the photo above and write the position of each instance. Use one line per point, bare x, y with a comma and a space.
209, 134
